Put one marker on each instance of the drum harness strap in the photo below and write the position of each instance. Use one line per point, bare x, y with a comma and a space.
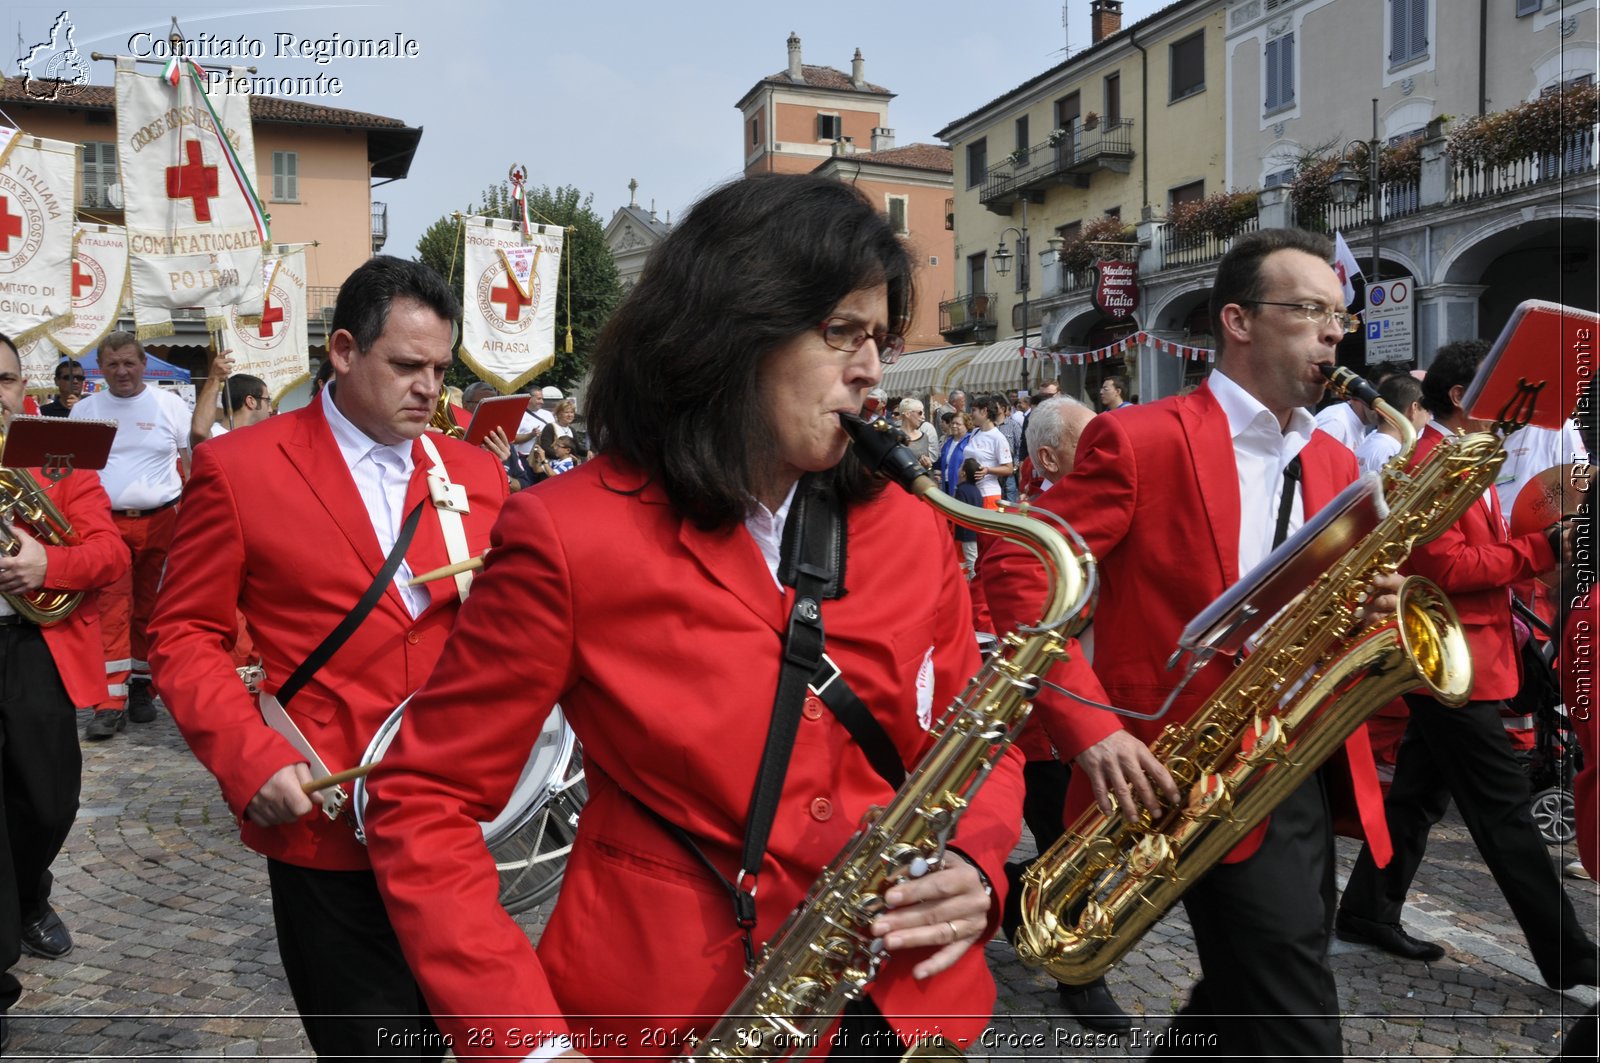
813, 563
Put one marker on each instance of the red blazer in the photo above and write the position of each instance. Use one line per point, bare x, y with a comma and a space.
1154, 493
97, 559
661, 643
1475, 562
272, 524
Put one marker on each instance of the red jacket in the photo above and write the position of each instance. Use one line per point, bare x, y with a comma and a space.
96, 559
1475, 563
272, 524
1154, 493
661, 643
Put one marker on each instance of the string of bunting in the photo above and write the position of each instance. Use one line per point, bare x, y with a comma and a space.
1123, 345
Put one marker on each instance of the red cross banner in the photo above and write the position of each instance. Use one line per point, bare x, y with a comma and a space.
99, 285
273, 345
193, 239
508, 320
38, 194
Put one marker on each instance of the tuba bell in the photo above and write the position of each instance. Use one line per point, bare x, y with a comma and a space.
23, 501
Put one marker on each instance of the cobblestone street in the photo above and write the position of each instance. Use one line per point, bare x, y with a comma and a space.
175, 956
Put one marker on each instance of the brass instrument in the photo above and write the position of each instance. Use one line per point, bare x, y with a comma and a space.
824, 954
443, 419
1312, 678
23, 501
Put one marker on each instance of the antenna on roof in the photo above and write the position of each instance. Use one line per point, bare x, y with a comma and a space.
1066, 27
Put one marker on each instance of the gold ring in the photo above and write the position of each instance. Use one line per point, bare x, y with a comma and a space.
952, 926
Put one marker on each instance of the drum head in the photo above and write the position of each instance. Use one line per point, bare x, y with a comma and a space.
532, 835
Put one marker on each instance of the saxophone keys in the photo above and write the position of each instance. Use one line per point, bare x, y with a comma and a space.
1271, 742
1209, 798
1152, 855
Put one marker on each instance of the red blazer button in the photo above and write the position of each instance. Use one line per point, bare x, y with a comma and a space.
812, 710
413, 637
821, 809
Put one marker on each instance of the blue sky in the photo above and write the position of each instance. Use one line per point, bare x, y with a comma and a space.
595, 93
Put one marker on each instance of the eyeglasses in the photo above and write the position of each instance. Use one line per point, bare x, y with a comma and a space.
850, 337
1321, 315
79, 377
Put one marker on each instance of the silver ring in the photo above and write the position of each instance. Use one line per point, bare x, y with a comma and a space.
952, 926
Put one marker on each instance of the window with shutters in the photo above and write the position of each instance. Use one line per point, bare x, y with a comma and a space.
1113, 101
1528, 7
1187, 60
286, 177
99, 174
897, 214
1192, 192
977, 161
976, 266
1408, 30
755, 132
829, 127
1280, 73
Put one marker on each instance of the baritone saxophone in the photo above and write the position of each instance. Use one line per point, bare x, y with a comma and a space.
824, 955
1313, 677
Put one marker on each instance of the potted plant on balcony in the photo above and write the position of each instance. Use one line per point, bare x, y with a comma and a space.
1221, 215
1079, 253
1091, 120
1057, 137
1539, 127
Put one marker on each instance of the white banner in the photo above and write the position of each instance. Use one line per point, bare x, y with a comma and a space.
274, 346
38, 194
192, 237
508, 321
99, 284
39, 358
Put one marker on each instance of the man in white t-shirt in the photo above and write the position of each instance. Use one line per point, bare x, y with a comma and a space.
540, 413
989, 446
143, 480
1404, 392
1532, 450
1347, 421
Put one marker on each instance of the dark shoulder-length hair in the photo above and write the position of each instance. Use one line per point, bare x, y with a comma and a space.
752, 265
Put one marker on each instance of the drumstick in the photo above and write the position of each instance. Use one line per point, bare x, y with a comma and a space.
336, 779
471, 564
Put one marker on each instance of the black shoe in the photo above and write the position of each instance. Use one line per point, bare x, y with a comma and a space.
1390, 937
47, 937
1094, 1007
106, 723
141, 704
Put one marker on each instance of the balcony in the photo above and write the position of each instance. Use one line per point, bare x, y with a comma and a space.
1579, 156
968, 318
1069, 157
380, 226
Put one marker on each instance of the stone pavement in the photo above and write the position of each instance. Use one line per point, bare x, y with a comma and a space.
175, 954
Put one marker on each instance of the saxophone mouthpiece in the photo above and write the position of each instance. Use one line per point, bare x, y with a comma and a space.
1347, 385
881, 447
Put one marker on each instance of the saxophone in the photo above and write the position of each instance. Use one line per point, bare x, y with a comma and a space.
1311, 680
23, 501
824, 955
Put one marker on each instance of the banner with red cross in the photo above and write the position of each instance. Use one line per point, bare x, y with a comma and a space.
38, 197
508, 318
192, 234
274, 344
99, 284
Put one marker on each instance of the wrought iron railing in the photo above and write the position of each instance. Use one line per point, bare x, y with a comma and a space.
1477, 180
1062, 153
966, 314
1196, 248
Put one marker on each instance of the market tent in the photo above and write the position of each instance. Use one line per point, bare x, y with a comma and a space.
997, 367
155, 368
917, 373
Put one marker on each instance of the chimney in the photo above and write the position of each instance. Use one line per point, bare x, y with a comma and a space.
858, 67
797, 73
844, 146
882, 139
1105, 18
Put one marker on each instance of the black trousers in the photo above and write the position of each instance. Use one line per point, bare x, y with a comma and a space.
40, 773
1261, 927
1464, 754
350, 982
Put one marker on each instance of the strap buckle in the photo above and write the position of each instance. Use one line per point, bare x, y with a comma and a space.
833, 672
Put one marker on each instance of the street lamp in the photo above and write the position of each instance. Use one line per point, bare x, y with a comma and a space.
1002, 266
1344, 187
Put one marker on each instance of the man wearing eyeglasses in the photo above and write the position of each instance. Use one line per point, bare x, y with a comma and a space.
69, 389
1178, 498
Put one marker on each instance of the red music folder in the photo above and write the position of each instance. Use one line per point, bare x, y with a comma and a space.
1543, 343
57, 443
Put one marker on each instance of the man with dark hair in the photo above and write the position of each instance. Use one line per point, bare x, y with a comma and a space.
1177, 498
70, 379
1113, 393
292, 523
1463, 753
245, 398
143, 479
989, 446
1403, 392
46, 671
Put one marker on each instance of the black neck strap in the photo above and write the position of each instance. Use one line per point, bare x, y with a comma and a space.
336, 638
1291, 476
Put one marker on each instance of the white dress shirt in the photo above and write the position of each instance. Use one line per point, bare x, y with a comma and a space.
766, 527
382, 473
1261, 450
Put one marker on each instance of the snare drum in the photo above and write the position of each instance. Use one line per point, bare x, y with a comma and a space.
531, 837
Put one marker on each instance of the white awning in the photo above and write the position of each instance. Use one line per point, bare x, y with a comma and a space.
917, 373
998, 367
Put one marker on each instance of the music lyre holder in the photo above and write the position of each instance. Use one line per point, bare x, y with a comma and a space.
1517, 411
57, 445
